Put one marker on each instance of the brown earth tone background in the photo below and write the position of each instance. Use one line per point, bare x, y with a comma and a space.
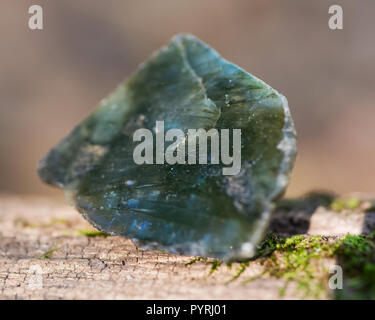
51, 79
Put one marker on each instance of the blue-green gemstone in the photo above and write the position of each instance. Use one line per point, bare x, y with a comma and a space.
186, 209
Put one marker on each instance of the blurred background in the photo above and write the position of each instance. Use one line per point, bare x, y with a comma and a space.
51, 79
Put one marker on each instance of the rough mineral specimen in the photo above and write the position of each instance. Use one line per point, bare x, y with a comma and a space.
185, 209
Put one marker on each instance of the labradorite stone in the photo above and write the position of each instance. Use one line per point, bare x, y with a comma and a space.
186, 209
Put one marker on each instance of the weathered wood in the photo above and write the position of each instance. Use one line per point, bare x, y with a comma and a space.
44, 256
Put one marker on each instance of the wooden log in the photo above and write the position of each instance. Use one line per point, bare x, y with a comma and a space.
48, 251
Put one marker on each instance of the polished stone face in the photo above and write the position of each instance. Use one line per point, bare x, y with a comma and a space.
187, 209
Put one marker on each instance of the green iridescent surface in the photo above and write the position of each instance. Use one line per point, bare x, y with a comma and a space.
187, 209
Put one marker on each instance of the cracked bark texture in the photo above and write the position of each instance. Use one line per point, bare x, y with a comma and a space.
44, 256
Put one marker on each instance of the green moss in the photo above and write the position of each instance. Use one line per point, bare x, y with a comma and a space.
356, 255
295, 260
299, 261
291, 259
239, 271
49, 253
195, 260
215, 264
92, 233
23, 223
313, 200
340, 204
56, 221
161, 252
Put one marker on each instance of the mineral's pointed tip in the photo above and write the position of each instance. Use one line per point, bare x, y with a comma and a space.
187, 209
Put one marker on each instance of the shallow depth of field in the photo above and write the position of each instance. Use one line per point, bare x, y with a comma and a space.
51, 79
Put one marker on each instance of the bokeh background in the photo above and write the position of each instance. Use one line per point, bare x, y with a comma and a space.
51, 79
